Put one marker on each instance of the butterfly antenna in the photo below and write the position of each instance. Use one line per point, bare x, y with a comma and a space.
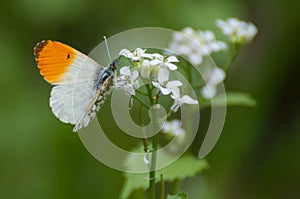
107, 49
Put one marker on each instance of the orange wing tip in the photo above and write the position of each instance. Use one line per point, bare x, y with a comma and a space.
53, 59
38, 48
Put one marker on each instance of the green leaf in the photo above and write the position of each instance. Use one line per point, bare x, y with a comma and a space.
185, 166
134, 182
232, 99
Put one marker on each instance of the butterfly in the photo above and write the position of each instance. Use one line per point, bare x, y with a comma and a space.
80, 84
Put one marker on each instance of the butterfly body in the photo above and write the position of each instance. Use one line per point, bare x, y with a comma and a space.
80, 84
103, 90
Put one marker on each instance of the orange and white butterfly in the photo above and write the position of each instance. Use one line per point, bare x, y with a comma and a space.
80, 84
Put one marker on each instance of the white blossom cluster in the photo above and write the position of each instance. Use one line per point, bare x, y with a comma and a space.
154, 68
237, 30
195, 44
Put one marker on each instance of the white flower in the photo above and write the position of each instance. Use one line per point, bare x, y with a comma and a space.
157, 56
136, 55
180, 100
146, 69
195, 45
174, 128
126, 53
148, 64
239, 31
127, 81
212, 77
163, 84
168, 62
164, 62
208, 42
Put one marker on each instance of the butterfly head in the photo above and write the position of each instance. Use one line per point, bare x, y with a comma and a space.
114, 64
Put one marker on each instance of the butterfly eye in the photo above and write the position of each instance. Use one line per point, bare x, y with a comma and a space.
114, 64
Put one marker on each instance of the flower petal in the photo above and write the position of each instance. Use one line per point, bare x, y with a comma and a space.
157, 85
175, 83
175, 93
134, 75
157, 56
165, 91
155, 62
172, 59
146, 55
126, 53
188, 100
125, 71
175, 106
163, 75
171, 66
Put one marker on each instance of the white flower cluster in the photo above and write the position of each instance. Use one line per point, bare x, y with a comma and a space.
128, 80
238, 31
154, 68
195, 44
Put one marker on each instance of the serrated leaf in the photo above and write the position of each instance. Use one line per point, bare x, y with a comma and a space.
232, 99
185, 166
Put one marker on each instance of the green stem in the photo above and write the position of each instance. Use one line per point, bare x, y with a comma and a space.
175, 187
150, 94
145, 141
152, 167
157, 97
162, 183
142, 93
154, 151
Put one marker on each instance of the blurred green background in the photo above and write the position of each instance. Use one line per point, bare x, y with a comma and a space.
257, 154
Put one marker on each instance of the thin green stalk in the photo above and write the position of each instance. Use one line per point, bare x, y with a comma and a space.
175, 187
154, 151
145, 141
152, 167
157, 97
142, 93
162, 184
150, 94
